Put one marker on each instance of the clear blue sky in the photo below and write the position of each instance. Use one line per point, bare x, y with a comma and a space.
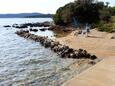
43, 6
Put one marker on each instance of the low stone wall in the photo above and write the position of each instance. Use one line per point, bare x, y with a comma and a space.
62, 50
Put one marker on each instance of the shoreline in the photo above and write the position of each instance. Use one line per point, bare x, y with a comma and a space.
98, 43
62, 50
76, 41
81, 64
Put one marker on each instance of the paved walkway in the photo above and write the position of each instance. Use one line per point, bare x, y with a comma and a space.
102, 74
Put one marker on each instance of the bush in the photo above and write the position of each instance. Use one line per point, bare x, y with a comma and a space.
86, 11
105, 27
105, 14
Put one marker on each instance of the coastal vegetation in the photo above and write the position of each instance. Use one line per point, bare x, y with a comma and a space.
81, 12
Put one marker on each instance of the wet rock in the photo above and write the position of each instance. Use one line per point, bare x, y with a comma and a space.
22, 32
55, 48
92, 62
46, 24
34, 30
53, 44
21, 26
80, 53
93, 57
7, 26
43, 29
72, 55
37, 24
46, 43
64, 52
51, 28
15, 25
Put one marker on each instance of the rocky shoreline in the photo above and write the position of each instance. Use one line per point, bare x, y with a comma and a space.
25, 25
62, 50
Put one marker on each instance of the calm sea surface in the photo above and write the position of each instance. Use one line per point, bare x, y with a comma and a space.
26, 63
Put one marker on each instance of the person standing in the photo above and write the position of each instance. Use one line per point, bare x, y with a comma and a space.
87, 28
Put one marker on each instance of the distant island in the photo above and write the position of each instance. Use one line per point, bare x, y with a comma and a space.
26, 15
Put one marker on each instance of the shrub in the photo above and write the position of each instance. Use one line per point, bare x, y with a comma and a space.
104, 27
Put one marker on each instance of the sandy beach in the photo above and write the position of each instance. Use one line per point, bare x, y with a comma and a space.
100, 44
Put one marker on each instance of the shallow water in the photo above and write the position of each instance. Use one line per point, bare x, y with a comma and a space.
26, 63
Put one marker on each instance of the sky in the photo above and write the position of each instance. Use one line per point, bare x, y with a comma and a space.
28, 6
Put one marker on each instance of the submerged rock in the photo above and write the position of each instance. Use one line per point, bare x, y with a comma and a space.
34, 30
93, 57
21, 26
43, 29
7, 26
38, 24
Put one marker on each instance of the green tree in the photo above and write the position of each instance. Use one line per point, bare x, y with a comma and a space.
85, 11
58, 17
105, 15
107, 4
112, 9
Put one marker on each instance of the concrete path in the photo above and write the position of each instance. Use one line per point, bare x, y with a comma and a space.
102, 74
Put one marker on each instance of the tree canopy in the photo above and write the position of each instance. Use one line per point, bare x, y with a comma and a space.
84, 11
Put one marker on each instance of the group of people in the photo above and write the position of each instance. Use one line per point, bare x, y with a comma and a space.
84, 30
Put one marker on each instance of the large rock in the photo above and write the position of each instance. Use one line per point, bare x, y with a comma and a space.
7, 26
43, 29
113, 37
34, 30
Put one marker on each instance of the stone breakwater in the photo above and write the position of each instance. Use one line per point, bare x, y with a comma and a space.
62, 50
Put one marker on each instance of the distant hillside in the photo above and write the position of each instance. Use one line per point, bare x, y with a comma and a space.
25, 15
40, 16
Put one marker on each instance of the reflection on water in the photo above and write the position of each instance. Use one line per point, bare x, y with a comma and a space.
25, 62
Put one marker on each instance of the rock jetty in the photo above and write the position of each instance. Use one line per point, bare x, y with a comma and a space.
38, 24
62, 50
